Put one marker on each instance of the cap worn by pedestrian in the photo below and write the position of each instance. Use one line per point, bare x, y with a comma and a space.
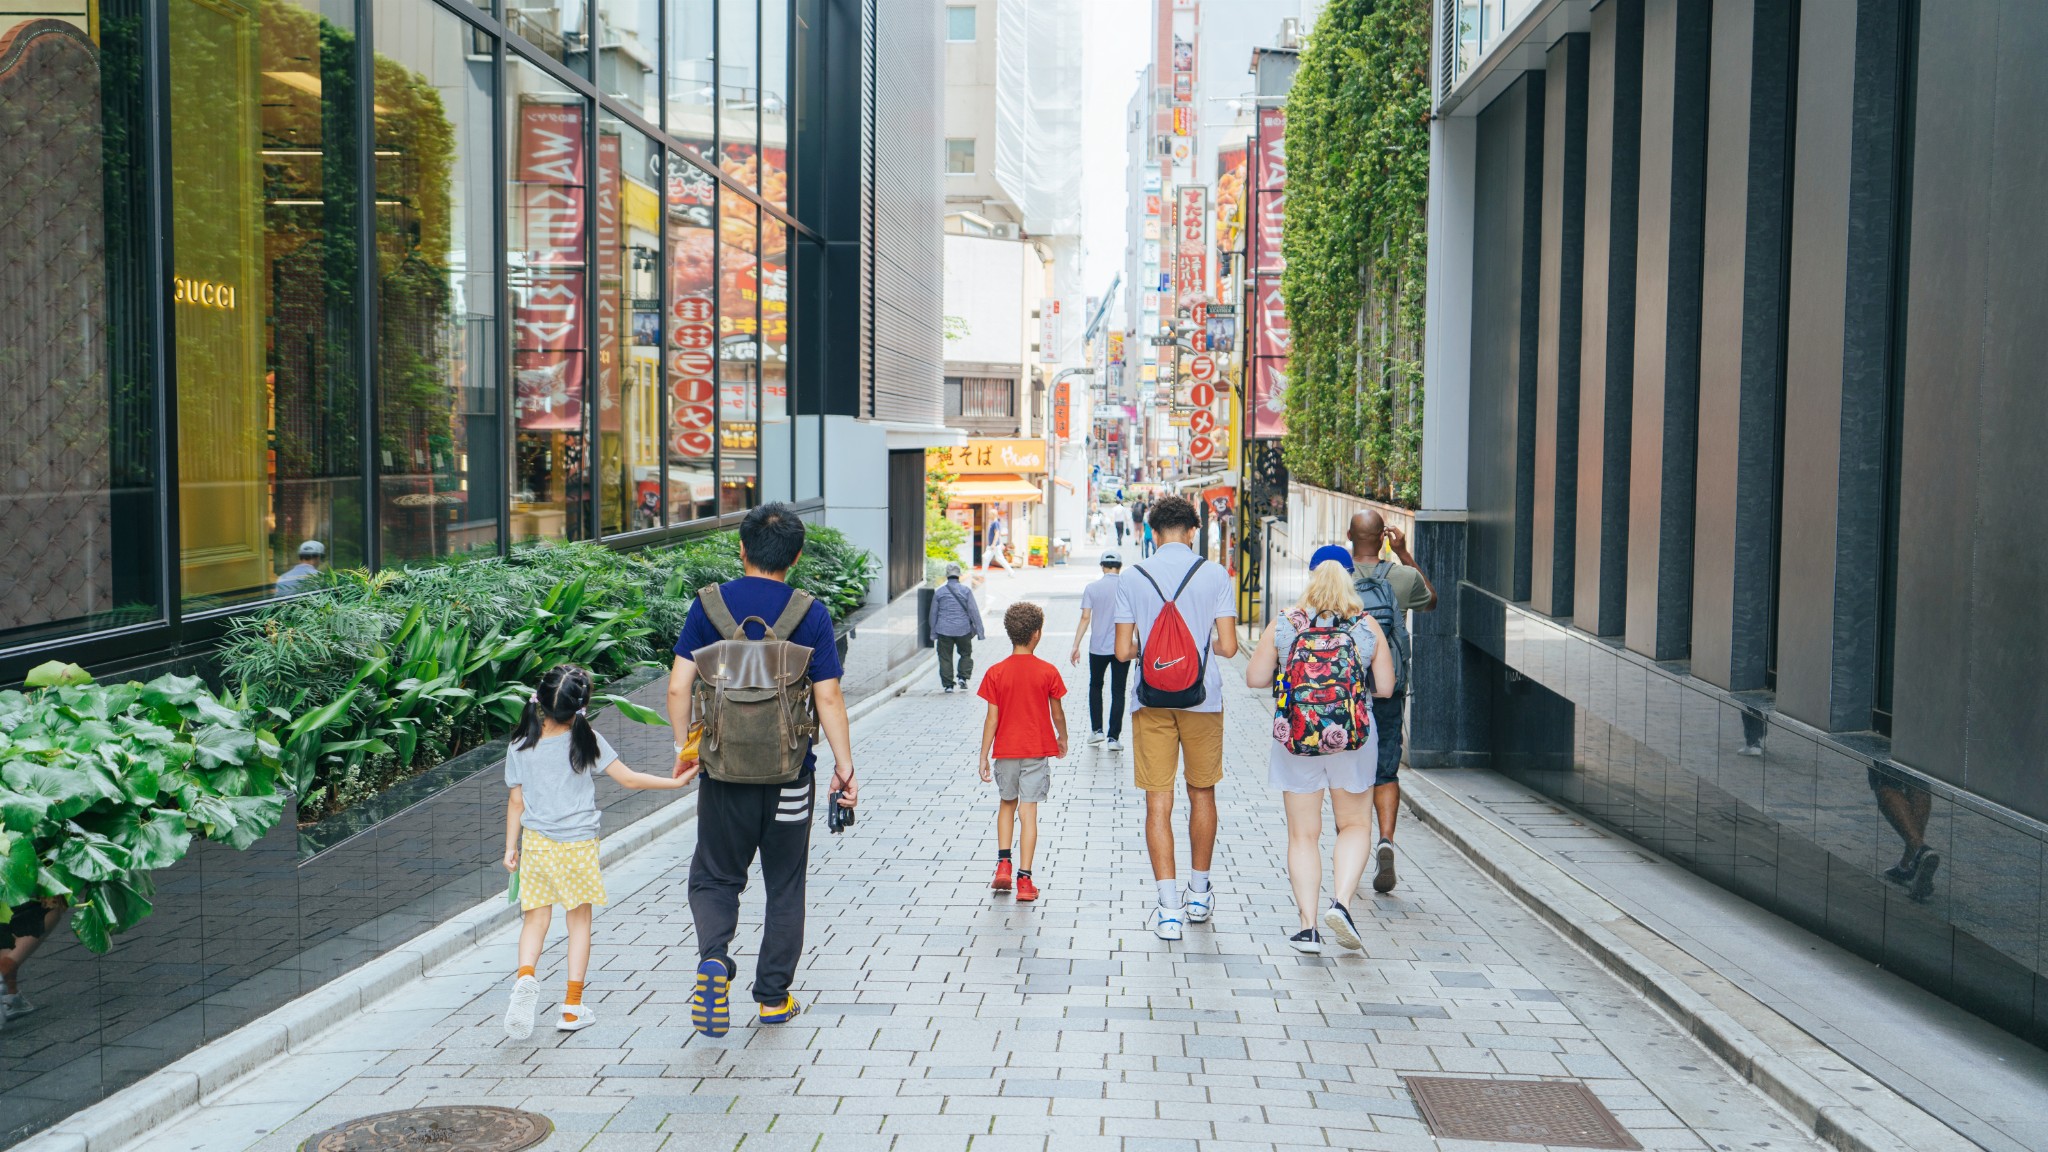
952, 569
312, 548
1337, 552
1110, 559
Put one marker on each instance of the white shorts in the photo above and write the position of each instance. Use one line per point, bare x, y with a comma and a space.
1351, 770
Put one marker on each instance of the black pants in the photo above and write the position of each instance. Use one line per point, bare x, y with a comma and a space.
952, 648
1119, 682
734, 822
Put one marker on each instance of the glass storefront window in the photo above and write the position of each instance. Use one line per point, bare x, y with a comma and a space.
739, 90
264, 193
439, 447
776, 135
691, 324
547, 265
78, 496
628, 53
777, 434
556, 27
692, 80
629, 170
739, 353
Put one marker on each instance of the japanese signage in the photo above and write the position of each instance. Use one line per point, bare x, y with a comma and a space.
982, 457
1048, 330
1191, 255
1062, 406
1270, 210
548, 290
610, 350
1116, 346
1230, 198
1268, 334
1183, 123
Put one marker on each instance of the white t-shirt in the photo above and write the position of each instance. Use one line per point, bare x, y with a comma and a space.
1208, 599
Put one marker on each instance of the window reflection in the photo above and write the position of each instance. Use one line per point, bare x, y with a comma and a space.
439, 447
692, 81
556, 27
264, 181
628, 51
629, 169
78, 500
776, 410
739, 90
776, 134
692, 326
807, 375
739, 344
547, 271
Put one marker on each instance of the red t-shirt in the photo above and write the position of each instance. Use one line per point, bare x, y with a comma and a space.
1022, 689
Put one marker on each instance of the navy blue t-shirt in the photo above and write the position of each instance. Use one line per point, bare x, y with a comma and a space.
760, 596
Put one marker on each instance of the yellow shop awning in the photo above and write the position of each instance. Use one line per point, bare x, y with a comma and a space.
994, 489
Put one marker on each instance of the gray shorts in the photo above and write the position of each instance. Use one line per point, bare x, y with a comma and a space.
1026, 780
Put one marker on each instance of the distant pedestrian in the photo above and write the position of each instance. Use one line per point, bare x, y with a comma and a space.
753, 800
1326, 660
956, 625
1026, 728
1097, 523
1098, 630
305, 575
551, 826
1120, 522
1389, 589
996, 549
1178, 613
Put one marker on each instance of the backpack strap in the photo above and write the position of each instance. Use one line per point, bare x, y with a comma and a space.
713, 602
1140, 570
1380, 570
793, 614
1192, 569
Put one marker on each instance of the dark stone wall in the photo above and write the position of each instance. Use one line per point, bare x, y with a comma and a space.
1554, 525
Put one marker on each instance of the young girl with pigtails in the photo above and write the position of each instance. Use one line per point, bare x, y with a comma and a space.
551, 824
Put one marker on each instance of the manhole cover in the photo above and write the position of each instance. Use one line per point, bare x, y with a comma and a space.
1517, 1111
461, 1128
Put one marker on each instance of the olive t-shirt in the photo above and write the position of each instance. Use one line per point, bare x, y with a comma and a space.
1410, 593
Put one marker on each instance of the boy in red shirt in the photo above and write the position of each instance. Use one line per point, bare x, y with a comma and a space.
1026, 726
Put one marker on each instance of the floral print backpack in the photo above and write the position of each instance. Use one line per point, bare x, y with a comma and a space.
1321, 704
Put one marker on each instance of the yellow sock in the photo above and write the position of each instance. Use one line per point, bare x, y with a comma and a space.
525, 970
575, 995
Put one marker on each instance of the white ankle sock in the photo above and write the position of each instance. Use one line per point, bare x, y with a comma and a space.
1169, 893
1198, 881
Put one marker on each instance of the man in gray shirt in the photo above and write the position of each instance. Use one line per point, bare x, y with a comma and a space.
956, 625
1098, 625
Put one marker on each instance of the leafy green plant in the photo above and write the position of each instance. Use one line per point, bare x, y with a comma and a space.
384, 675
1356, 247
101, 785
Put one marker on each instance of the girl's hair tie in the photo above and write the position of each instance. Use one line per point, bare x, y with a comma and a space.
583, 712
533, 698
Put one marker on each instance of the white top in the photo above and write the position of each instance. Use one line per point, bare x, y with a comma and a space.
1098, 599
1209, 598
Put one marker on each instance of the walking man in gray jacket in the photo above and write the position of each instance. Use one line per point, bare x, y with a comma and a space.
956, 625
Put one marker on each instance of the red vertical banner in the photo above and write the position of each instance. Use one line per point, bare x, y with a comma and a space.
548, 314
1191, 244
1271, 337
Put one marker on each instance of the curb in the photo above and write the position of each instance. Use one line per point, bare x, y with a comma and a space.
1882, 1121
160, 1097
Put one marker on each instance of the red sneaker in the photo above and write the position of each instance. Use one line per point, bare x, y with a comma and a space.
1026, 890
1002, 881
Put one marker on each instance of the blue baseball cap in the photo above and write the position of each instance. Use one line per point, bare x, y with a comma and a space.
1337, 552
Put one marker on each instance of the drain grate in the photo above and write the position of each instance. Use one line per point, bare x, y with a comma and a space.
1556, 1112
459, 1128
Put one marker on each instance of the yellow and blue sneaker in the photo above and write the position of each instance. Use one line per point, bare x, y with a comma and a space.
781, 1013
710, 1005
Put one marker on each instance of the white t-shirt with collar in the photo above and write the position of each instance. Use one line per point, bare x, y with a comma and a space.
1208, 600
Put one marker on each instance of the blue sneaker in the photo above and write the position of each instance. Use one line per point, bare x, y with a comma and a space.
710, 1003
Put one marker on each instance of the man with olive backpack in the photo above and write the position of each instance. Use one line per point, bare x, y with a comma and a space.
755, 680
1389, 589
1176, 614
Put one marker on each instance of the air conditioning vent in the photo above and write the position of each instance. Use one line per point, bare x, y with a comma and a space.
1004, 231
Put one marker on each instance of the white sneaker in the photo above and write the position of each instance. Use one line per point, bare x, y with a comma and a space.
1307, 942
1201, 905
519, 1010
13, 1004
575, 1018
1383, 867
1115, 745
1164, 922
1095, 738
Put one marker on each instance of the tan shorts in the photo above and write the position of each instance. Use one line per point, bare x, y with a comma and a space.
1162, 737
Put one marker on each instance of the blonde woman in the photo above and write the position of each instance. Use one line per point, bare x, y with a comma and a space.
1323, 737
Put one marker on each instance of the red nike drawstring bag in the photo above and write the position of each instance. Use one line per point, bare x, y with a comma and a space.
1172, 667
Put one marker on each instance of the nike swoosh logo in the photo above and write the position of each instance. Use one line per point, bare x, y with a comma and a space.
1163, 665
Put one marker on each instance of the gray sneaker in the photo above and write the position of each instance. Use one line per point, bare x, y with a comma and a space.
1383, 867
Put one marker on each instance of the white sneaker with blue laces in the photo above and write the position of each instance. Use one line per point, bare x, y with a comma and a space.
1201, 905
1164, 922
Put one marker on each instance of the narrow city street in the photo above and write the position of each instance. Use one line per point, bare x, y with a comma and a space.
940, 1015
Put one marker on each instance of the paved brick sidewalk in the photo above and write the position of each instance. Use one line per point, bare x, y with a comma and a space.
943, 1017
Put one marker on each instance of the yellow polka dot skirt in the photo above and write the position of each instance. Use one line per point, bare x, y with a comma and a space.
551, 872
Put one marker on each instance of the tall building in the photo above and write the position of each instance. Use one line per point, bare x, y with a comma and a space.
1013, 291
1731, 447
423, 280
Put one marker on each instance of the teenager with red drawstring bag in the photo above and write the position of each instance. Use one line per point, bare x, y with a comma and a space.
1174, 615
